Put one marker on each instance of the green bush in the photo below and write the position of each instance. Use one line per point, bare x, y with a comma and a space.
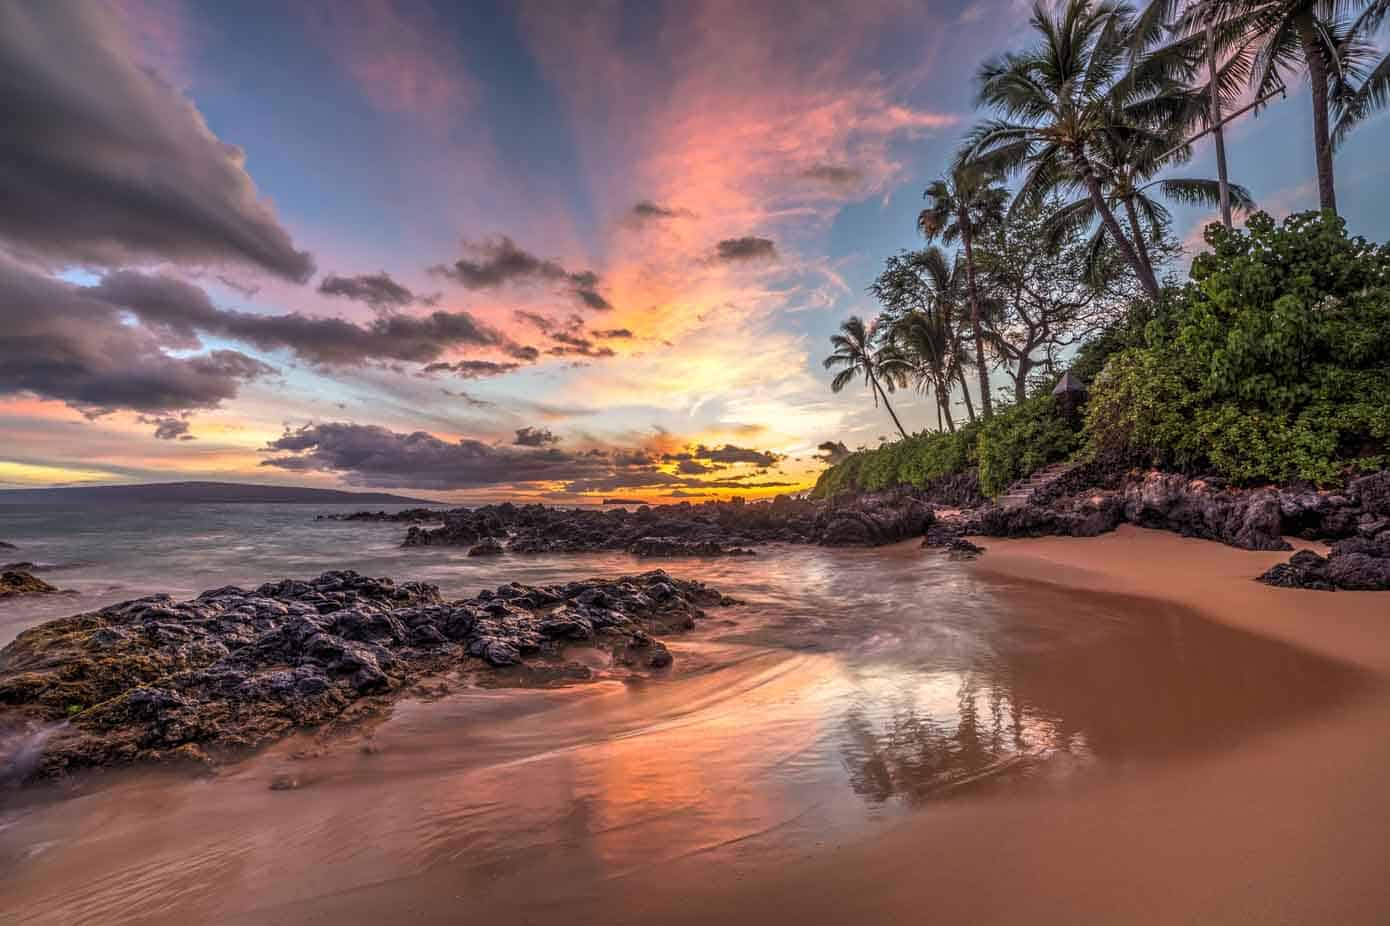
1022, 439
1018, 440
1273, 363
913, 462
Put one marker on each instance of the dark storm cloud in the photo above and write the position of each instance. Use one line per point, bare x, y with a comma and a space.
567, 344
746, 248
726, 454
59, 342
832, 452
377, 290
178, 312
102, 162
168, 428
473, 369
369, 455
833, 174
647, 210
498, 261
610, 334
534, 437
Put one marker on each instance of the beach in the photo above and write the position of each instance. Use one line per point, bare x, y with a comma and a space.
1124, 728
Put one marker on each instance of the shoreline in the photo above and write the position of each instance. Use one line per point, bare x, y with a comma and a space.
1216, 580
1283, 824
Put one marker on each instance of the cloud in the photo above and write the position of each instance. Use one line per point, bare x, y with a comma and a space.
834, 174
102, 162
832, 452
59, 342
534, 437
498, 262
178, 312
726, 454
747, 248
473, 369
646, 210
567, 344
377, 290
168, 427
370, 455
610, 334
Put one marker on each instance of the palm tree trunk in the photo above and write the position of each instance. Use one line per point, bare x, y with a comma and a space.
969, 405
874, 379
1317, 76
937, 393
975, 313
943, 400
1139, 245
1145, 275
1223, 183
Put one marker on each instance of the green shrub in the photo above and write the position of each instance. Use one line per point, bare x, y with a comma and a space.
912, 462
1022, 439
1016, 441
1272, 364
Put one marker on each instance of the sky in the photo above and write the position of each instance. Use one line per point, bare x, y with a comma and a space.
556, 251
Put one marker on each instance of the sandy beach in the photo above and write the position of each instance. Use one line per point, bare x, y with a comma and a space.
1188, 745
1288, 828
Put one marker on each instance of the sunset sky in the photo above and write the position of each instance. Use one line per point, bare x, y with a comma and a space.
477, 250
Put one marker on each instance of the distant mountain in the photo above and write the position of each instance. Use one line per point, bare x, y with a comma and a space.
202, 493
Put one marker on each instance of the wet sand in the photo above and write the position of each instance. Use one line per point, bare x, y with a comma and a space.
1124, 728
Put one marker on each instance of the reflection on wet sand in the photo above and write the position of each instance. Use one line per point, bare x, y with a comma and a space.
832, 706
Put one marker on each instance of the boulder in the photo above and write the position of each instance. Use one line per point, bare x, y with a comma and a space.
160, 679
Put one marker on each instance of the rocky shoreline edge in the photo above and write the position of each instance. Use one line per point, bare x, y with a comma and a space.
234, 669
1088, 500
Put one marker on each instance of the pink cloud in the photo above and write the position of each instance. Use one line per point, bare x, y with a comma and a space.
402, 58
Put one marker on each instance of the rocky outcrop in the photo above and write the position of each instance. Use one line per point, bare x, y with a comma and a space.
1084, 516
14, 582
1251, 520
709, 529
487, 547
1356, 564
873, 519
234, 668
407, 516
672, 546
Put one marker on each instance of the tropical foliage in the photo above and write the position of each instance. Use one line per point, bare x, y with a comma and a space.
1272, 364
1269, 364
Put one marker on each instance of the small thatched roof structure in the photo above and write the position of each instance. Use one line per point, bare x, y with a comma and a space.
1069, 384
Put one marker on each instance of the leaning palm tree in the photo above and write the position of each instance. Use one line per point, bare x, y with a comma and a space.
1127, 167
920, 348
962, 205
1060, 100
856, 352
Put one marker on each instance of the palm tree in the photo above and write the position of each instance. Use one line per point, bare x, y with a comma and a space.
1126, 167
920, 347
964, 203
1374, 93
1316, 38
856, 352
1061, 100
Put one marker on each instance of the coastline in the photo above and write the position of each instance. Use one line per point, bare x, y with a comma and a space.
1284, 824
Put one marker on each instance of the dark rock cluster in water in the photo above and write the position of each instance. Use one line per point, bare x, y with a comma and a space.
710, 529
157, 678
20, 582
1356, 564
